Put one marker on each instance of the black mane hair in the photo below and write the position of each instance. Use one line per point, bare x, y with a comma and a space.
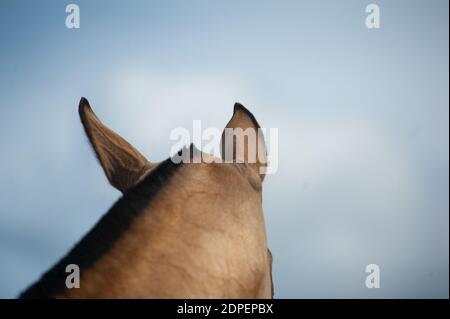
105, 233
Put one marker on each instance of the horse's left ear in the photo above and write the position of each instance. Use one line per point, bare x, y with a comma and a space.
243, 141
122, 163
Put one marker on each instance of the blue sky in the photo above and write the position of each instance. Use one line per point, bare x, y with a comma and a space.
363, 119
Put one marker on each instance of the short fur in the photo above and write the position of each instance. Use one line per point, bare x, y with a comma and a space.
179, 231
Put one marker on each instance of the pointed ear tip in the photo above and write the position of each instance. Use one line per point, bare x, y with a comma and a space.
238, 107
83, 101
83, 106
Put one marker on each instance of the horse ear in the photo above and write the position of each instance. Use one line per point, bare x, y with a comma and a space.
243, 142
122, 163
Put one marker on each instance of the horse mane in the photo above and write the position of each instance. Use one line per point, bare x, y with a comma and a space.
105, 233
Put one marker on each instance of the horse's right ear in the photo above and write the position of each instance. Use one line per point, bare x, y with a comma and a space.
122, 163
243, 142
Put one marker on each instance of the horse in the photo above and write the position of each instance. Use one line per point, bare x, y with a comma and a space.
180, 229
